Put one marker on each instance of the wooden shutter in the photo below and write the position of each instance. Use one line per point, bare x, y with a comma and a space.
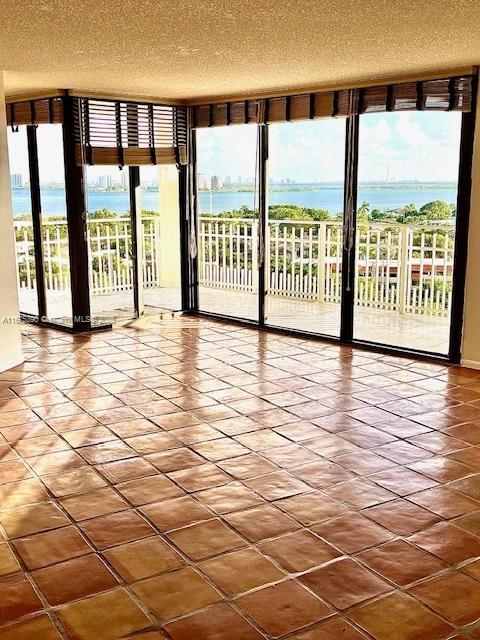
42, 111
443, 94
126, 133
300, 107
323, 105
276, 110
373, 99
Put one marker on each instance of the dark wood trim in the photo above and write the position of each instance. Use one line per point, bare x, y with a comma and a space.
420, 102
51, 118
135, 199
461, 228
36, 202
311, 106
76, 223
335, 104
118, 118
135, 196
288, 108
263, 221
451, 94
188, 199
349, 228
84, 113
390, 102
151, 135
266, 111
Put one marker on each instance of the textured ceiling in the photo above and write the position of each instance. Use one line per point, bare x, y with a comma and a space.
181, 49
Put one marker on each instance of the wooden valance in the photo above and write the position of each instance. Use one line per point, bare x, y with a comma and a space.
112, 132
445, 94
40, 111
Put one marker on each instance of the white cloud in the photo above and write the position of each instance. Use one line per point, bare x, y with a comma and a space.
421, 146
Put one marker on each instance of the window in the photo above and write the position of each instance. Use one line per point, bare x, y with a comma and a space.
228, 221
407, 194
54, 223
305, 218
110, 243
23, 222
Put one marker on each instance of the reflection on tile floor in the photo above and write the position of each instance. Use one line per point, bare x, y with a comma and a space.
194, 480
405, 330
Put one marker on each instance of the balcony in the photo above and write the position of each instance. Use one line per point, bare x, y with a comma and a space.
403, 279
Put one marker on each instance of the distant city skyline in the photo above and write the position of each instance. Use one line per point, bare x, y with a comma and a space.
394, 147
400, 146
219, 183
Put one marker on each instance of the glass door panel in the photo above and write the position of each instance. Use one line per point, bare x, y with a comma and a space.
110, 243
56, 255
304, 232
408, 171
160, 239
23, 224
227, 202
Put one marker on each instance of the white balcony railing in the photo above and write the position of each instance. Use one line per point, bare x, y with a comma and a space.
402, 268
109, 242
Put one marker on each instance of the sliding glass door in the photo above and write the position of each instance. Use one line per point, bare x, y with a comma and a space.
23, 221
227, 204
357, 230
303, 259
159, 239
51, 170
110, 243
405, 228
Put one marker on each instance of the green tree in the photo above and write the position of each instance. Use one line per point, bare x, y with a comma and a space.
437, 210
363, 212
409, 213
319, 215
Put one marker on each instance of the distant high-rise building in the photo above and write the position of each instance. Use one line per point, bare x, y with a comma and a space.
124, 179
105, 182
239, 180
16, 180
202, 183
228, 180
216, 183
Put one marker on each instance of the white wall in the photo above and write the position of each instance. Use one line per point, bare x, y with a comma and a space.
10, 341
471, 325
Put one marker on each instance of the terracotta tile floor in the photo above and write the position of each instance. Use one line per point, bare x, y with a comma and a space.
194, 480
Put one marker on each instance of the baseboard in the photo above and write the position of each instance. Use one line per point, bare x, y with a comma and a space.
13, 362
471, 364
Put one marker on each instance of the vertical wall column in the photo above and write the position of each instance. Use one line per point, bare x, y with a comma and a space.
137, 238
471, 319
263, 252
168, 183
10, 338
76, 223
37, 220
349, 228
462, 224
187, 187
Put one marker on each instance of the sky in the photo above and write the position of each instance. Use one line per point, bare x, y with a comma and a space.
50, 157
403, 146
412, 145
